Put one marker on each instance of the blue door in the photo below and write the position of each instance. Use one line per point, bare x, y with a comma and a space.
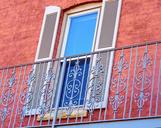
80, 40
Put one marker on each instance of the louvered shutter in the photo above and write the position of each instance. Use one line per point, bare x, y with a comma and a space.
108, 24
106, 39
44, 52
48, 33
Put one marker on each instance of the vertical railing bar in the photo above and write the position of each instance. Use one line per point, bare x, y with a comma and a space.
104, 87
84, 68
87, 85
45, 89
42, 94
118, 80
72, 94
2, 86
54, 88
17, 84
39, 92
90, 119
132, 92
10, 90
13, 82
143, 77
28, 88
82, 81
60, 84
95, 82
78, 105
30, 105
106, 104
98, 54
158, 91
2, 78
100, 105
69, 108
34, 88
153, 80
91, 65
5, 84
5, 77
19, 96
128, 79
66, 81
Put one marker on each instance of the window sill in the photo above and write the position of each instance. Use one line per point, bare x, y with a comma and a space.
63, 115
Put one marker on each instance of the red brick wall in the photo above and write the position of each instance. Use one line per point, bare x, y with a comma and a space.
139, 22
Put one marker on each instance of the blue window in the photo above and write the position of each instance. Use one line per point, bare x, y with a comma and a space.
80, 40
81, 34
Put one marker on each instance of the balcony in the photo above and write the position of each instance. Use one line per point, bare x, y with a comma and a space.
110, 85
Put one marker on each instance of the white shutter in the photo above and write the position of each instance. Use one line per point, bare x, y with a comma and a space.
106, 39
108, 24
44, 52
48, 33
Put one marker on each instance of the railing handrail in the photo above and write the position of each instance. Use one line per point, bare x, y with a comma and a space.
85, 54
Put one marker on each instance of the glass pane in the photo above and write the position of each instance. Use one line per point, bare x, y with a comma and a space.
81, 34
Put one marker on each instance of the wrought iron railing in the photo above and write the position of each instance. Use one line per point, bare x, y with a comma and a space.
110, 85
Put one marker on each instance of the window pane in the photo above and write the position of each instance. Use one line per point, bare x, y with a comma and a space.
81, 34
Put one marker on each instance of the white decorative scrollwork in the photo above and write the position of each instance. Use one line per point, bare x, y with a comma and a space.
46, 92
143, 80
96, 87
118, 83
8, 96
73, 86
26, 95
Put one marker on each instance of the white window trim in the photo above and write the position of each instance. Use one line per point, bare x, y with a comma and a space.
68, 25
66, 35
96, 40
48, 10
81, 8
